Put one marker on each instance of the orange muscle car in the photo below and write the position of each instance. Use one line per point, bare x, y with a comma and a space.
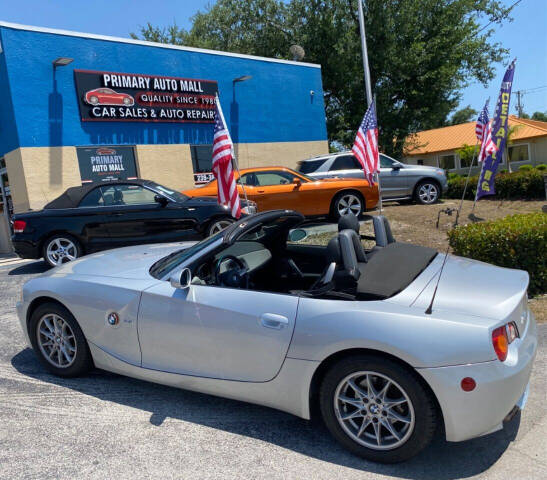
282, 188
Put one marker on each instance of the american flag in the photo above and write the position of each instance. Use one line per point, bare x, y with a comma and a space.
483, 130
222, 164
365, 147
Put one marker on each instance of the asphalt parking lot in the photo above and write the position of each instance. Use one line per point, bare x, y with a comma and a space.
107, 426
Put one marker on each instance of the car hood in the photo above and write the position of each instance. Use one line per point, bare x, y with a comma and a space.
128, 262
468, 287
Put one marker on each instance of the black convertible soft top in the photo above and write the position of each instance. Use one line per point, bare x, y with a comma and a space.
72, 197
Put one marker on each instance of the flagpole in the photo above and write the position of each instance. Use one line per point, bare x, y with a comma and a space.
368, 87
466, 183
234, 159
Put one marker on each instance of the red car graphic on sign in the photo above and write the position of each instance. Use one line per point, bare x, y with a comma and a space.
105, 151
107, 96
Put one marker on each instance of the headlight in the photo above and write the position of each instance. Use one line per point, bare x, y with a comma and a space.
249, 209
440, 172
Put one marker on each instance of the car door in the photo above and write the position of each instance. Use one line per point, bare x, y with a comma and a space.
137, 218
215, 332
272, 189
393, 181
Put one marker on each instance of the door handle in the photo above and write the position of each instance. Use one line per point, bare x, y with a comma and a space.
271, 320
117, 214
261, 191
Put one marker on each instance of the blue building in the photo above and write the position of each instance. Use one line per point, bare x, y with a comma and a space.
77, 107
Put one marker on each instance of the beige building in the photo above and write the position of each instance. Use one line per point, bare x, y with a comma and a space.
438, 147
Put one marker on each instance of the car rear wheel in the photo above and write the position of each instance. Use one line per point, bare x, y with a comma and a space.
347, 203
427, 192
61, 249
218, 225
58, 341
377, 408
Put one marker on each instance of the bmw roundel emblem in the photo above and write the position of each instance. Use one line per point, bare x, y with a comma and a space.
113, 319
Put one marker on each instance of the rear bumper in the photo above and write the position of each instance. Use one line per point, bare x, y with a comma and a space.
25, 248
500, 386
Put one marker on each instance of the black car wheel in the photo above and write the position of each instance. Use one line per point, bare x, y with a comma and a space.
58, 341
377, 408
218, 225
427, 192
61, 248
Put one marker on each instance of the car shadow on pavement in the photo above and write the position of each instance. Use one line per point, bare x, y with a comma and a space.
440, 461
29, 268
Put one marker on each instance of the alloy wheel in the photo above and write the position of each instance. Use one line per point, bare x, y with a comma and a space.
56, 340
374, 410
219, 226
428, 193
61, 250
349, 203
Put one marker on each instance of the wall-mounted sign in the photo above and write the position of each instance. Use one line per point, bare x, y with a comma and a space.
105, 163
127, 97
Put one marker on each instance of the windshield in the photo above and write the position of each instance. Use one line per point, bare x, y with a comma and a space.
168, 192
173, 260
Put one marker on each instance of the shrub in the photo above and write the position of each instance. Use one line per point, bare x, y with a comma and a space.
517, 241
452, 175
524, 168
524, 184
541, 167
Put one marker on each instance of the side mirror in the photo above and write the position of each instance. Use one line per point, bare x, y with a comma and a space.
397, 166
297, 181
297, 234
161, 200
181, 280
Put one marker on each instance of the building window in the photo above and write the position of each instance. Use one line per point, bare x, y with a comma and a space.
447, 162
419, 162
202, 162
518, 153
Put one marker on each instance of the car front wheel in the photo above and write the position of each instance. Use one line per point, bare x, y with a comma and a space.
218, 225
58, 341
427, 192
377, 408
61, 249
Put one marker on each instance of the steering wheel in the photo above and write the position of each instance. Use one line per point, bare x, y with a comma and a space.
232, 277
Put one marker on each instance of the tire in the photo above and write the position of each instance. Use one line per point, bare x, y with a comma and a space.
127, 101
218, 224
427, 192
75, 359
417, 409
61, 248
345, 202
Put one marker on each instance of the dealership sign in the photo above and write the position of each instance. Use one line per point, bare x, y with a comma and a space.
108, 96
102, 164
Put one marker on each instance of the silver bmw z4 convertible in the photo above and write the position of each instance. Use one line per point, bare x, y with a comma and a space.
259, 313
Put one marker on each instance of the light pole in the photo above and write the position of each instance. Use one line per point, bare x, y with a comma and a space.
234, 111
366, 70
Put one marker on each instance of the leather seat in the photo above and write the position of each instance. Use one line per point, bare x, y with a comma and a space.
350, 225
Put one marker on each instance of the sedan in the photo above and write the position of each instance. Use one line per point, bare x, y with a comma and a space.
398, 181
96, 217
259, 313
280, 187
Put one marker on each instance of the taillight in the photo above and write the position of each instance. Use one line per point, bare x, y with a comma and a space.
19, 226
502, 337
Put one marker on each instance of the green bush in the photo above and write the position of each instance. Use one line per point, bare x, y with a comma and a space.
524, 184
541, 167
517, 241
524, 168
452, 175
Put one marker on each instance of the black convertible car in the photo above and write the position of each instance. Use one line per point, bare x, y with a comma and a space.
97, 217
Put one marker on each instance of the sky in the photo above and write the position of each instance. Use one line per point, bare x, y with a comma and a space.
525, 37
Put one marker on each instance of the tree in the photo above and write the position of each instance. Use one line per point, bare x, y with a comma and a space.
463, 115
541, 116
468, 153
422, 53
